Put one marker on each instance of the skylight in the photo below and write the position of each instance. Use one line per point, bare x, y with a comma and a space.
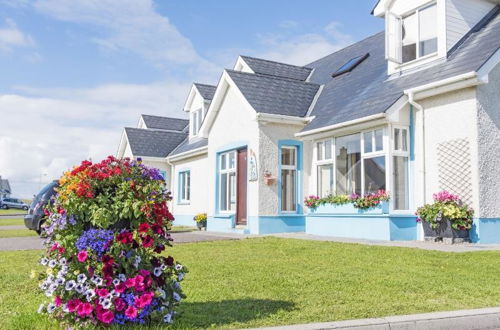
350, 65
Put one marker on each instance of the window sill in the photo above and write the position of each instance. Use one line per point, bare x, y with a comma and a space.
184, 203
224, 215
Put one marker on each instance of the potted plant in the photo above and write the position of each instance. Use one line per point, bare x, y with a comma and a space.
448, 217
201, 221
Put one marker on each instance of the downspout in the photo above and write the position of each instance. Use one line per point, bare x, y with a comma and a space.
419, 107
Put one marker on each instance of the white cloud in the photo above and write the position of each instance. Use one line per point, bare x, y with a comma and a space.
53, 129
11, 37
131, 26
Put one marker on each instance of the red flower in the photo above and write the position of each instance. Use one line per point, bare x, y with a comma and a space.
130, 282
169, 261
125, 237
159, 248
107, 259
147, 241
84, 309
102, 292
143, 227
106, 317
120, 288
107, 269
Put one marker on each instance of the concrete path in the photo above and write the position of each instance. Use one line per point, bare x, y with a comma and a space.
10, 227
35, 243
465, 247
486, 318
10, 216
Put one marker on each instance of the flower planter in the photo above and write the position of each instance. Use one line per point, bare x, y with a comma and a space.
202, 225
444, 233
382, 208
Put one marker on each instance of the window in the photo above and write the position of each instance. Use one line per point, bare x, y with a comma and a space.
350, 65
288, 179
184, 186
227, 182
400, 169
419, 33
325, 178
412, 36
348, 164
196, 120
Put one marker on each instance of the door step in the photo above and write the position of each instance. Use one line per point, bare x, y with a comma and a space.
241, 230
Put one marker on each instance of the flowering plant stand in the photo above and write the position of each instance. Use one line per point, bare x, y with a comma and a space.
445, 233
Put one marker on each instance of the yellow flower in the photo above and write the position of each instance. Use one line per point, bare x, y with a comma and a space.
49, 271
33, 273
76, 272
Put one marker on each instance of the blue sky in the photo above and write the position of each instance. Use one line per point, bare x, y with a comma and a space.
75, 72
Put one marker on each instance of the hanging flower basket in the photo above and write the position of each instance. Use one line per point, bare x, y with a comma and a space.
105, 234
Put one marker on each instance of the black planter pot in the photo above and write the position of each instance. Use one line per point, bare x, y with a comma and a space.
444, 233
201, 225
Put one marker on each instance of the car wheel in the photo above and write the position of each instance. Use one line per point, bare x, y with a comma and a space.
5, 207
25, 208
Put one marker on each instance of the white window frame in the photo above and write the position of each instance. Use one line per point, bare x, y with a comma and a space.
293, 168
373, 154
400, 153
324, 161
196, 120
185, 187
228, 171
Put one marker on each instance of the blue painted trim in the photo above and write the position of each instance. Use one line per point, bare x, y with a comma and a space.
298, 192
226, 148
179, 191
485, 231
277, 224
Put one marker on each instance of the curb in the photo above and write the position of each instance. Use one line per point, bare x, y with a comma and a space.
486, 318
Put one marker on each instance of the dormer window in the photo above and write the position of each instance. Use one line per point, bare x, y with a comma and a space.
196, 120
412, 36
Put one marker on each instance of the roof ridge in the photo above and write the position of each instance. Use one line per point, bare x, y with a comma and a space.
156, 130
271, 61
347, 47
270, 76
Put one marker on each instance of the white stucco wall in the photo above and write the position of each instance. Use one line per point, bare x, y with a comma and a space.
199, 186
448, 117
235, 125
269, 136
488, 121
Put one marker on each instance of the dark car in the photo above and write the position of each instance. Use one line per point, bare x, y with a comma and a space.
36, 216
13, 203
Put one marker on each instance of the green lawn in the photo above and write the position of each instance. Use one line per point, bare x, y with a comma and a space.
11, 211
180, 229
17, 233
272, 281
11, 222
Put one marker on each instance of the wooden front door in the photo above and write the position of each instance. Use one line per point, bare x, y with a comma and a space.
241, 197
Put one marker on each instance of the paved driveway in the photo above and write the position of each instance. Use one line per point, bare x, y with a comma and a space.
35, 243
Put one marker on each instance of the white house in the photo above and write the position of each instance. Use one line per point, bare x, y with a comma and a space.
412, 110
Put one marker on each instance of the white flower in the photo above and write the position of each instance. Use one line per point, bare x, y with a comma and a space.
122, 277
79, 288
70, 285
50, 277
44, 261
40, 308
161, 293
62, 261
44, 285
176, 296
101, 300
53, 287
81, 278
65, 308
178, 267
49, 293
114, 294
116, 281
64, 268
157, 271
60, 280
51, 308
180, 276
106, 304
52, 264
164, 266
167, 318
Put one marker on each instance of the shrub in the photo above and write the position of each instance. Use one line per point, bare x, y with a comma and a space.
105, 232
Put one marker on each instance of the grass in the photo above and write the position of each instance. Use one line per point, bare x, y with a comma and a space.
11, 222
11, 211
272, 281
182, 229
17, 233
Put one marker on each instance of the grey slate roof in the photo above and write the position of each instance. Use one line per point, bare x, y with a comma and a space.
275, 95
187, 145
165, 123
152, 142
367, 90
277, 69
4, 186
206, 91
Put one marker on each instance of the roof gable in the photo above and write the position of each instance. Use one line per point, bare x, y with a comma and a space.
165, 123
206, 91
152, 142
283, 70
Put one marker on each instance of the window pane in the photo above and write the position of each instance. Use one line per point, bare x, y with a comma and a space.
288, 199
401, 198
367, 137
328, 149
188, 185
232, 188
348, 164
223, 192
325, 180
404, 140
181, 186
396, 139
379, 140
223, 161
288, 156
320, 150
232, 159
374, 174
428, 30
409, 32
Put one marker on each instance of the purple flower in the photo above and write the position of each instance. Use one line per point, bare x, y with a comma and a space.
95, 239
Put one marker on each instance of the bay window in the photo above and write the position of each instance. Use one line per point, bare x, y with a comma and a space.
373, 161
348, 164
288, 179
400, 169
324, 165
227, 180
184, 187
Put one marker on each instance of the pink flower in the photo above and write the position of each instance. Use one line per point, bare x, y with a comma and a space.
102, 292
143, 301
131, 312
144, 272
84, 309
82, 255
106, 317
73, 305
57, 301
120, 288
130, 282
119, 304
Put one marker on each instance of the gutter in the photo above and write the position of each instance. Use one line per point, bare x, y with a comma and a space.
187, 154
341, 125
282, 119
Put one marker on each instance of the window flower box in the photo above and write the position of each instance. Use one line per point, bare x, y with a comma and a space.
382, 208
